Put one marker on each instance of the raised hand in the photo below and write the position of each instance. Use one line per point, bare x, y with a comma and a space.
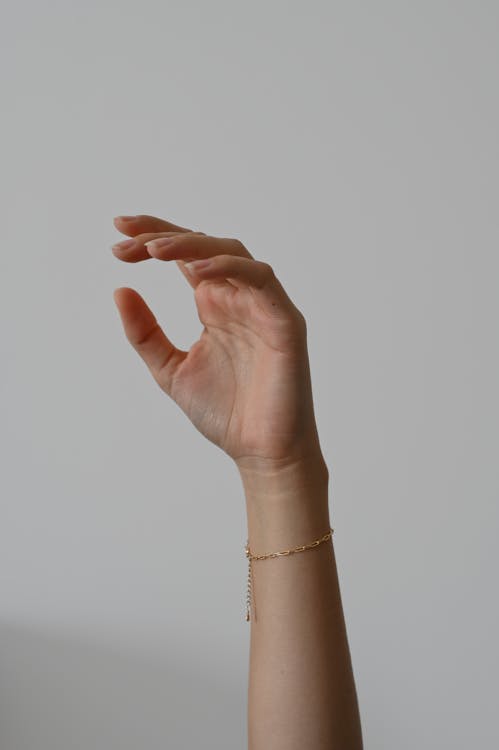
245, 384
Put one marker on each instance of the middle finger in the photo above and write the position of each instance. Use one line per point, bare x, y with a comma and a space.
194, 246
134, 249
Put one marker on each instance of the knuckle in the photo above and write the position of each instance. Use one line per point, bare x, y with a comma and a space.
267, 270
238, 246
143, 340
301, 320
296, 322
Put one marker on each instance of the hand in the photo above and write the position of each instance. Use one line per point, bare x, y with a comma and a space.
245, 384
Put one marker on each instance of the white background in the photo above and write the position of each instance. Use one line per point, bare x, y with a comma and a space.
353, 145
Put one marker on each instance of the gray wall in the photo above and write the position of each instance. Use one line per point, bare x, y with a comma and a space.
353, 145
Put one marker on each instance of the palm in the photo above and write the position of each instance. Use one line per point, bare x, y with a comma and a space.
243, 382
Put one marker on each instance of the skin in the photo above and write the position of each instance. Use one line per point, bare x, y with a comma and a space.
246, 386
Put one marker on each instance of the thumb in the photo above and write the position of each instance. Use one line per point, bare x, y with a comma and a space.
147, 337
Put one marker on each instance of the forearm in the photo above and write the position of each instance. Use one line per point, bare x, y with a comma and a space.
301, 687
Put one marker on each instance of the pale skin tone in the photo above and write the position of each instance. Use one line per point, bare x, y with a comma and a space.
245, 385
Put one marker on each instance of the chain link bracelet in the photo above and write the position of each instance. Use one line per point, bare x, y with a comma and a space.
251, 558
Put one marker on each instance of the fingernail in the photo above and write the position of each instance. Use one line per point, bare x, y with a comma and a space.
126, 218
197, 265
125, 245
159, 243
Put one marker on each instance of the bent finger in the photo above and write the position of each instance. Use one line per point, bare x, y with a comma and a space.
135, 249
256, 275
194, 245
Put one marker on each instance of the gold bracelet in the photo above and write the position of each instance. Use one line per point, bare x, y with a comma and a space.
252, 557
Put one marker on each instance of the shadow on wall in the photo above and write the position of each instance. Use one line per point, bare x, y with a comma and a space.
59, 692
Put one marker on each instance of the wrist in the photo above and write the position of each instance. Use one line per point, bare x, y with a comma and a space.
267, 478
286, 504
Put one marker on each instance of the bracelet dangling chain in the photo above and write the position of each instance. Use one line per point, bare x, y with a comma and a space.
251, 557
